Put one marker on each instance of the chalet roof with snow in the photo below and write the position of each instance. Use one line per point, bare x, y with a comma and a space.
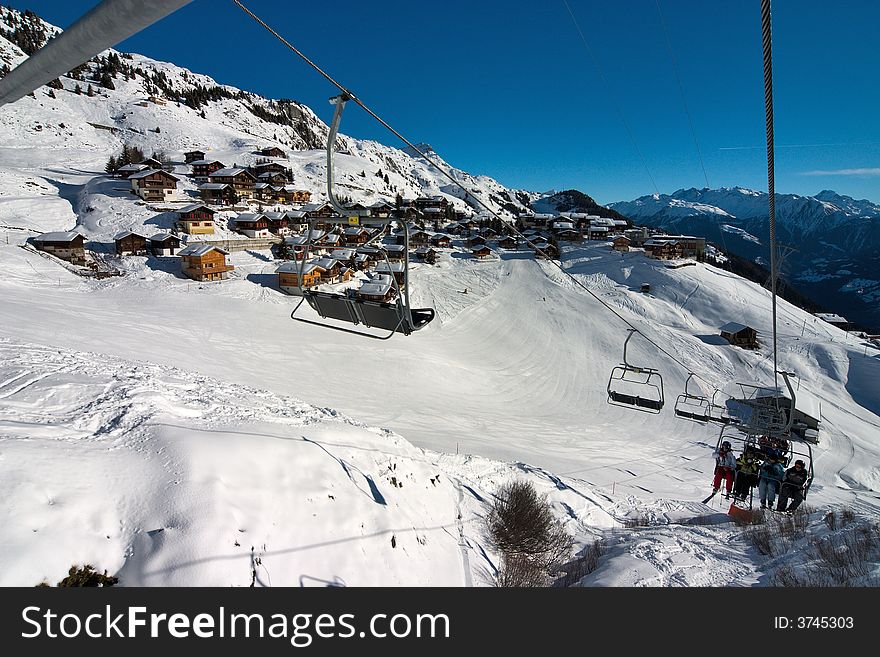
214, 186
163, 237
64, 236
375, 288
150, 172
231, 172
249, 217
199, 250
195, 163
132, 167
293, 268
734, 328
192, 207
127, 233
342, 254
394, 267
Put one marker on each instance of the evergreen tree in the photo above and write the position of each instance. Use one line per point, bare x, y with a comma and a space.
107, 81
91, 92
112, 165
77, 90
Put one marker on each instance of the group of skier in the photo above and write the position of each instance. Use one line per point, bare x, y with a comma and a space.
754, 467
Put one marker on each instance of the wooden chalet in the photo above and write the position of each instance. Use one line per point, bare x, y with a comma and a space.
130, 243
379, 288
291, 194
272, 151
663, 250
68, 245
481, 252
381, 209
440, 241
153, 184
217, 193
288, 276
164, 244
685, 246
253, 225
127, 170
191, 156
270, 167
397, 269
740, 335
318, 210
425, 202
620, 243
396, 252
333, 270
477, 240
598, 232
203, 169
419, 237
203, 262
196, 219
355, 235
241, 180
151, 163
426, 254
508, 242
569, 235
279, 222
275, 178
545, 250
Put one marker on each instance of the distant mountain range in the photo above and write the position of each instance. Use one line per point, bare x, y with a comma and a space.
830, 243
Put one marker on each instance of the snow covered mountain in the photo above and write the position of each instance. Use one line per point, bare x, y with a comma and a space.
180, 433
63, 126
834, 239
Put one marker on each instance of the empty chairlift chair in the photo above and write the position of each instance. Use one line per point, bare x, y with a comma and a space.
393, 316
636, 387
691, 406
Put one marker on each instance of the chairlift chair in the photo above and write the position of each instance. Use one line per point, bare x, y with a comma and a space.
691, 406
393, 316
635, 387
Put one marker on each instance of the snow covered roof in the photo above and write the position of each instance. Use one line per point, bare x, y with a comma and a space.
204, 162
133, 167
231, 171
65, 236
213, 186
733, 327
831, 318
293, 268
126, 233
804, 402
163, 237
200, 250
395, 267
150, 172
249, 216
375, 288
327, 263
394, 248
342, 254
192, 207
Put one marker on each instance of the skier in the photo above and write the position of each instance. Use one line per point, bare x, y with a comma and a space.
725, 466
746, 474
770, 476
793, 487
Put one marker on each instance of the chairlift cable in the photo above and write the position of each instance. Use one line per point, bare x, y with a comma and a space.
767, 40
476, 199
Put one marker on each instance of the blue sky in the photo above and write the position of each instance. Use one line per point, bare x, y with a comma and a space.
508, 88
